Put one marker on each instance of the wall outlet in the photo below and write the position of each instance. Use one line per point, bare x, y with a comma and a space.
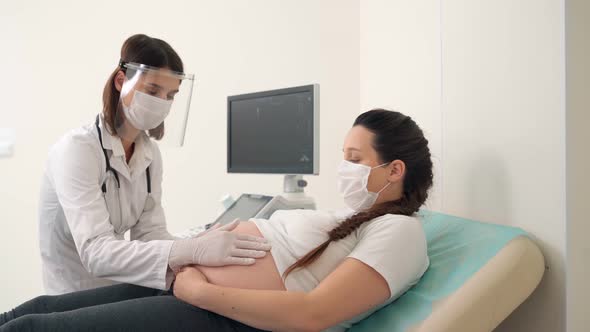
7, 141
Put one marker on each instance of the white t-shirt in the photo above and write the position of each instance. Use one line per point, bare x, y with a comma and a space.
393, 245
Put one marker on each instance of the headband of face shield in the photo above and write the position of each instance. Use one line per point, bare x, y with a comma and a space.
156, 101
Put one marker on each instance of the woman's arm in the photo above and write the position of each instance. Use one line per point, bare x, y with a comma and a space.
350, 290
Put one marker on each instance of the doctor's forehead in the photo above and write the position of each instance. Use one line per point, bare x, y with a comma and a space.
162, 81
358, 139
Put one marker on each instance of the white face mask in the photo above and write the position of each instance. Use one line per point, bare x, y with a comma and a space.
147, 112
352, 184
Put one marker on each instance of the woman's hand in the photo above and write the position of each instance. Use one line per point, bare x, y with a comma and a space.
187, 282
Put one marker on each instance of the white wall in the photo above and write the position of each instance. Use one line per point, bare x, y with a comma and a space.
578, 163
401, 70
486, 81
57, 56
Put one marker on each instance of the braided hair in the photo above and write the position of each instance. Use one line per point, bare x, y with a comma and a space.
397, 137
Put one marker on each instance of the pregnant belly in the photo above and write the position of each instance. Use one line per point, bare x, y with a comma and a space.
261, 275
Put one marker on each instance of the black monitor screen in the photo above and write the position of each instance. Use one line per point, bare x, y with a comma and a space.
272, 132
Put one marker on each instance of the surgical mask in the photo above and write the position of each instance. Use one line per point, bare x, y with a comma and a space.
147, 112
352, 185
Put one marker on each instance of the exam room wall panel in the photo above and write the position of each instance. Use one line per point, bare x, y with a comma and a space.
578, 163
57, 58
486, 80
504, 123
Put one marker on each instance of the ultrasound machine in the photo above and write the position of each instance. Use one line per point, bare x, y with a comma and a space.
271, 132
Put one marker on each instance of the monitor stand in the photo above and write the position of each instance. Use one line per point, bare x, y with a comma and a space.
293, 191
293, 184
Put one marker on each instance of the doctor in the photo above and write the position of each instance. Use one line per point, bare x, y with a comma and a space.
104, 179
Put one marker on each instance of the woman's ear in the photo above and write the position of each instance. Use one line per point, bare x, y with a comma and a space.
119, 80
397, 171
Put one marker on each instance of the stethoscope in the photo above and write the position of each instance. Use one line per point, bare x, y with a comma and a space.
149, 204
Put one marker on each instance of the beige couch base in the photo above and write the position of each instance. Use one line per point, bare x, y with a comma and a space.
492, 293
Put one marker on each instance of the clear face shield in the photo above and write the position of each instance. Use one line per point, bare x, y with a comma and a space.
156, 101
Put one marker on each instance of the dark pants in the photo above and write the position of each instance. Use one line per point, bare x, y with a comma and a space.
115, 308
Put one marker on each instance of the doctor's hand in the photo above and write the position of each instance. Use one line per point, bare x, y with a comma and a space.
218, 247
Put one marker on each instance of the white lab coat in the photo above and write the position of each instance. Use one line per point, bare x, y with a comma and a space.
81, 231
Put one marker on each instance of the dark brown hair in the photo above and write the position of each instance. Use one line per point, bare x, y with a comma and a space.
145, 50
397, 137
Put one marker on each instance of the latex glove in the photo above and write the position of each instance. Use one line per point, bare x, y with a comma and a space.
218, 247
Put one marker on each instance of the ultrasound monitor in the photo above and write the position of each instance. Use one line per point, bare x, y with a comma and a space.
274, 131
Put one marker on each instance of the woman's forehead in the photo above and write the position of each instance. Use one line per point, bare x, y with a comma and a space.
358, 139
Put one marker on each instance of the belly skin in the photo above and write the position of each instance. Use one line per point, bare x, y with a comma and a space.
262, 275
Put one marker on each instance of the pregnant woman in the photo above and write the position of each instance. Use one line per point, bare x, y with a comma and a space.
326, 269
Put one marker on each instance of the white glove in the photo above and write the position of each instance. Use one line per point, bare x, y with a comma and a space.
218, 247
